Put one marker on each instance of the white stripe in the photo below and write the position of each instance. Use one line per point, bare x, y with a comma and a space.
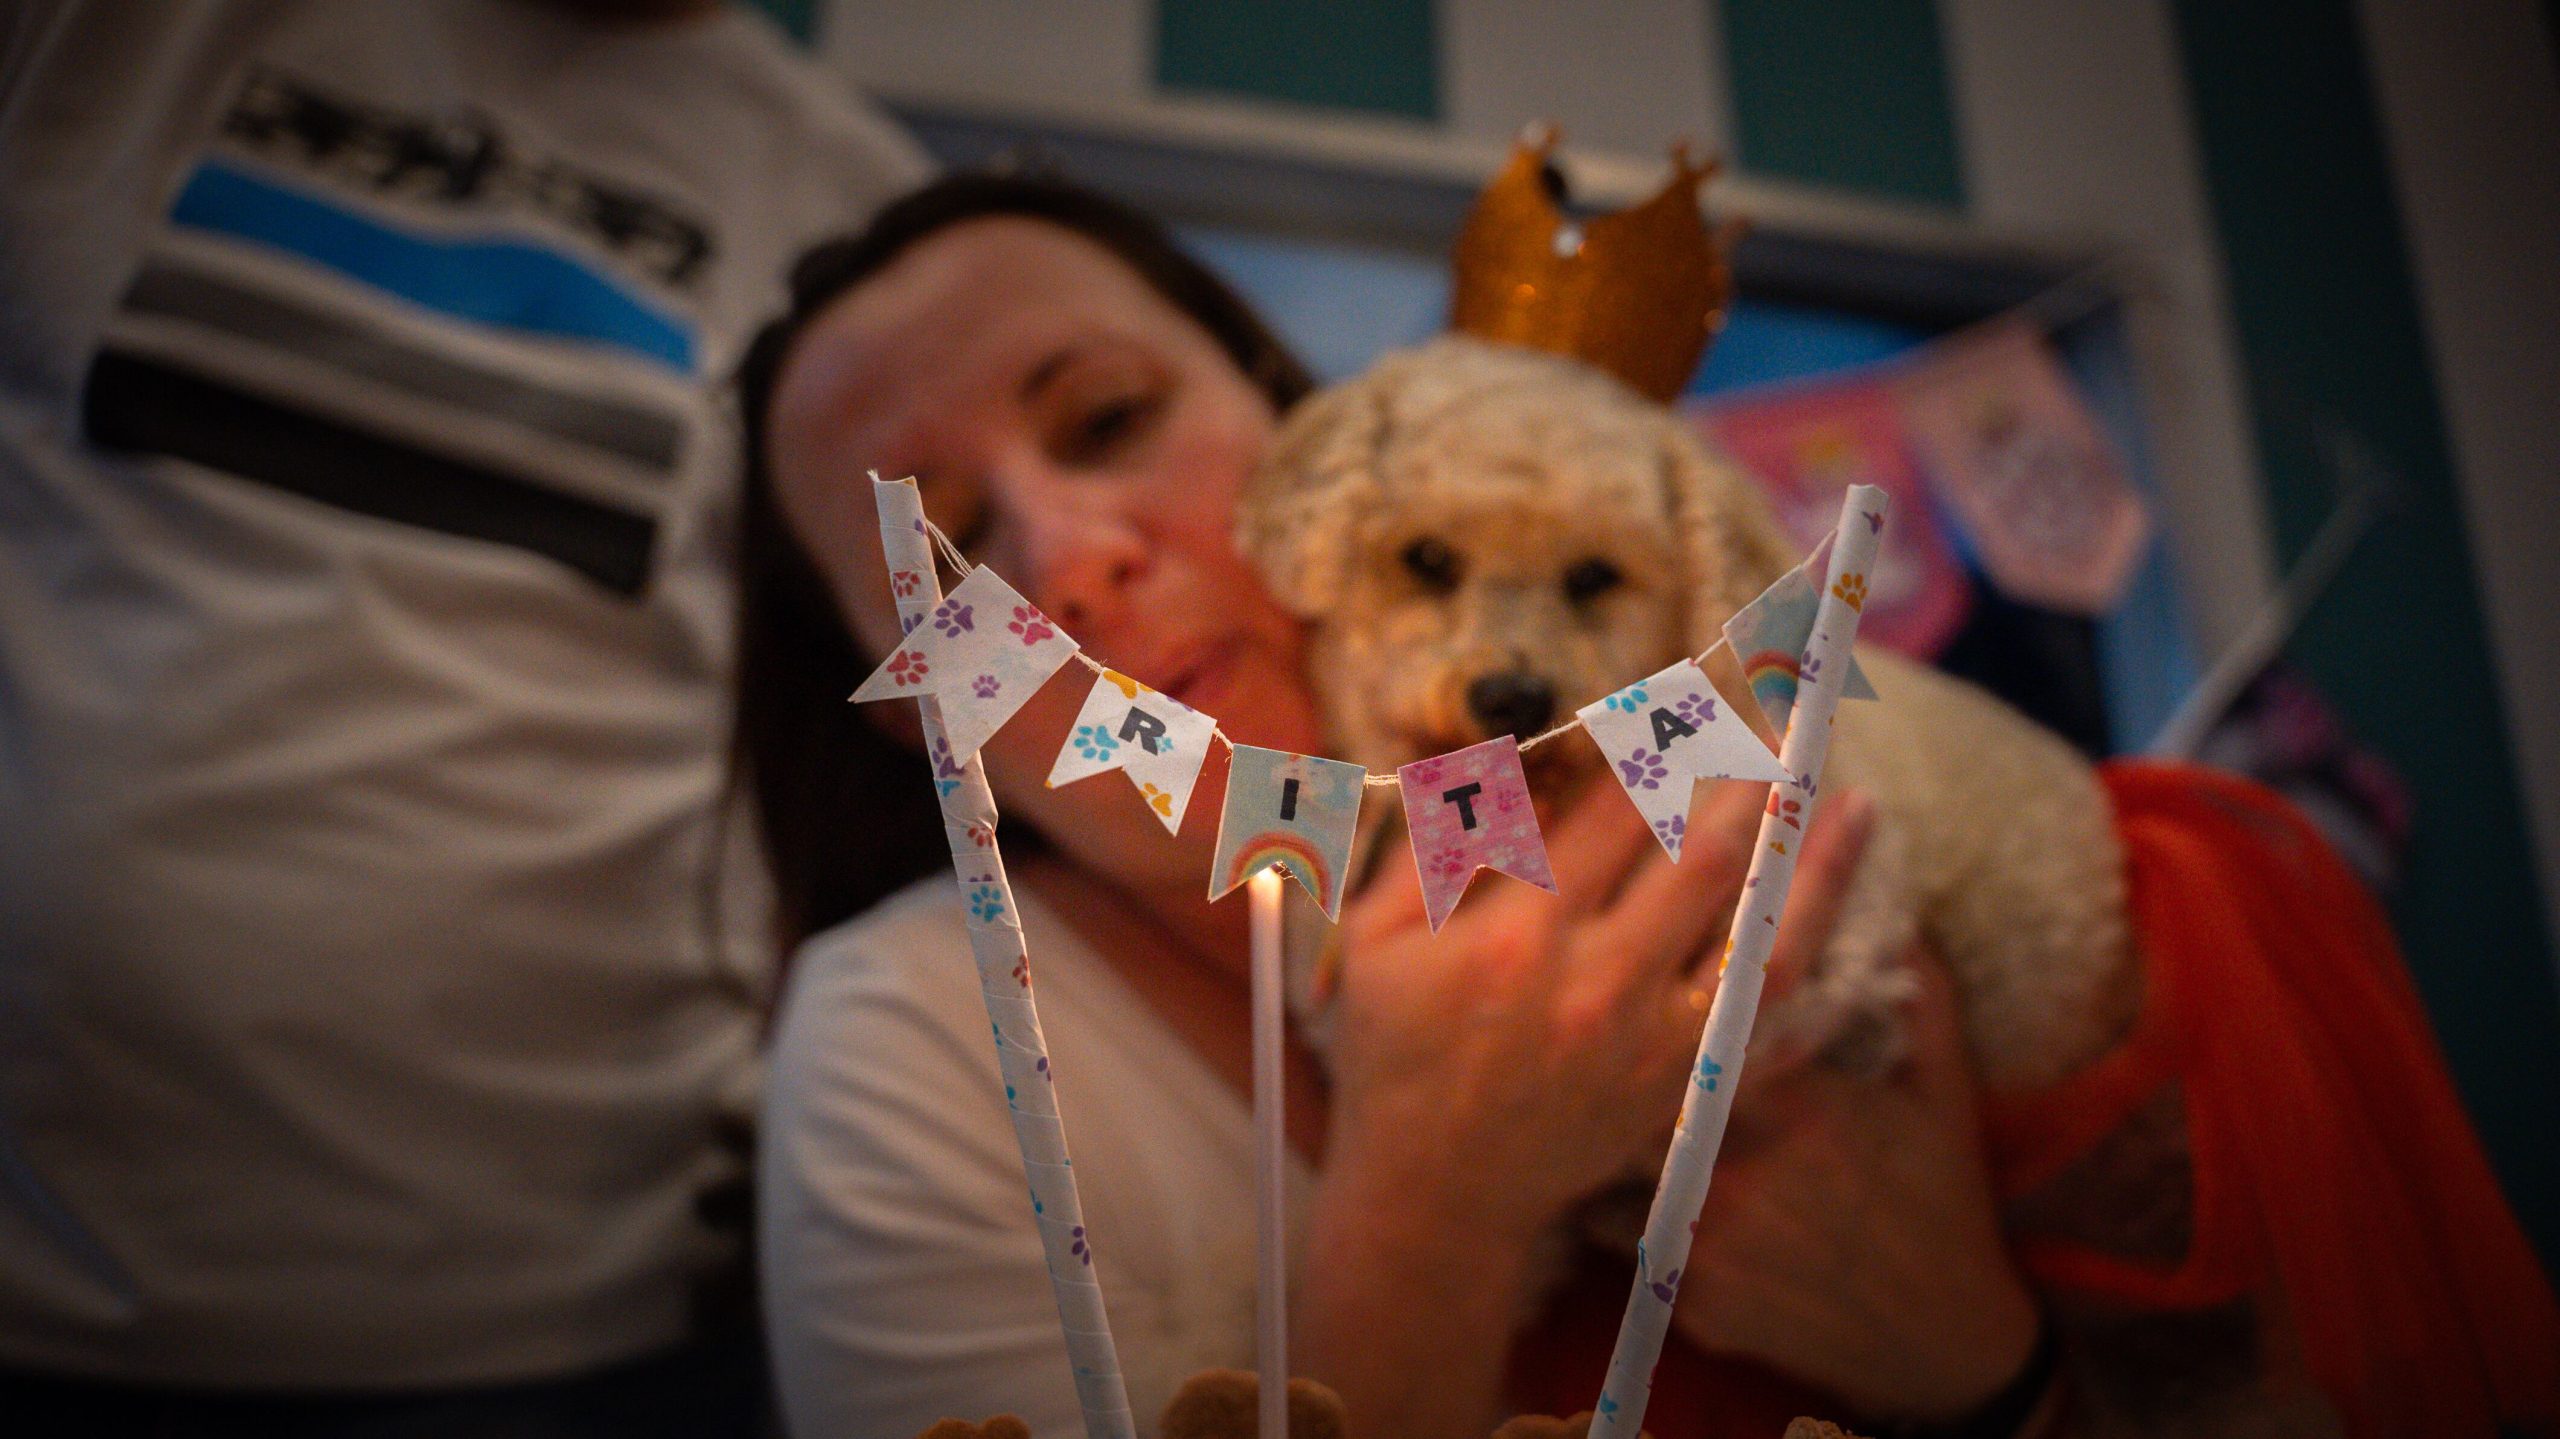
1630, 75
2072, 114
600, 372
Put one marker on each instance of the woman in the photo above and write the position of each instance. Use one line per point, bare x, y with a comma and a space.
1080, 404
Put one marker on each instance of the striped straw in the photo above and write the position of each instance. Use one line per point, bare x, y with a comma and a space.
1691, 1161
1004, 979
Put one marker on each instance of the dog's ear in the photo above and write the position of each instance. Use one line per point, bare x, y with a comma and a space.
1730, 545
1297, 516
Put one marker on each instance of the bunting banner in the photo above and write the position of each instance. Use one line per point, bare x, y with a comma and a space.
2038, 487
1156, 740
1807, 444
982, 652
1469, 810
1772, 636
1291, 812
1663, 734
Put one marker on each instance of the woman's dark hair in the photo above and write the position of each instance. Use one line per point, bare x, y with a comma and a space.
849, 816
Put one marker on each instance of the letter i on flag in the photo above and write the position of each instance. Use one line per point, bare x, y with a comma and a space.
983, 651
1290, 812
1470, 810
1156, 740
1663, 734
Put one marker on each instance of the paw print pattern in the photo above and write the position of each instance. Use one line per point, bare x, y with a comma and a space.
1695, 711
982, 834
985, 687
904, 582
1851, 589
1626, 701
1030, 624
1667, 1288
1158, 800
1672, 828
1643, 769
954, 619
1095, 742
1080, 1249
1022, 976
1788, 812
1708, 1069
908, 668
985, 904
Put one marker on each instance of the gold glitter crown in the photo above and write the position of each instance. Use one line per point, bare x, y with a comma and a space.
1638, 293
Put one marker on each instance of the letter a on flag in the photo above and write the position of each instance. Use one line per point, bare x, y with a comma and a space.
1470, 810
1155, 739
1290, 812
982, 652
1663, 734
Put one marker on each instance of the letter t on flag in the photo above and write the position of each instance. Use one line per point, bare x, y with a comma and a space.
1663, 734
1470, 810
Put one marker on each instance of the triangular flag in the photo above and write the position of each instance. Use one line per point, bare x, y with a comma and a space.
1290, 812
2037, 484
1155, 739
983, 651
1663, 734
1470, 810
1769, 636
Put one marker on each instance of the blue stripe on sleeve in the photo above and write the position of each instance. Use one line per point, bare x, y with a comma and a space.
511, 284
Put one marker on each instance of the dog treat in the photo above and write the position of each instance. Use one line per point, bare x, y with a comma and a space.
1004, 978
1223, 1403
1003, 1426
1690, 1164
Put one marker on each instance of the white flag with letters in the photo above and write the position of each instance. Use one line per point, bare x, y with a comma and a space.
1663, 734
1155, 739
982, 652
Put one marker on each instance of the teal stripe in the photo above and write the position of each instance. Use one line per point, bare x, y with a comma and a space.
1378, 55
2330, 332
1850, 93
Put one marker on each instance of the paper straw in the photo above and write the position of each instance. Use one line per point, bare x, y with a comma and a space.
1004, 979
1691, 1161
1271, 1158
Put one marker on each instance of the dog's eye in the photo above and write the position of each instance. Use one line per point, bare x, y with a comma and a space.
1433, 563
1590, 579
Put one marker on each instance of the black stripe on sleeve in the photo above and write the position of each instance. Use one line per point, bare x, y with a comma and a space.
141, 405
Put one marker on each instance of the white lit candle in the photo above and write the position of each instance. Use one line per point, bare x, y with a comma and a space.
1271, 1159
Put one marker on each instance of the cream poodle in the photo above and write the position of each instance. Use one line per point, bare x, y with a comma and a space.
1485, 538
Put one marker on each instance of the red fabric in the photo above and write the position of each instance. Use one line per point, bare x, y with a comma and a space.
2332, 1158
2331, 1153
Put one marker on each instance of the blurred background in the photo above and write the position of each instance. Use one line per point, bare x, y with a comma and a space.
2293, 256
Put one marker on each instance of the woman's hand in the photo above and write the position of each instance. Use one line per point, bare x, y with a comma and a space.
1488, 1077
1850, 1239
1534, 1049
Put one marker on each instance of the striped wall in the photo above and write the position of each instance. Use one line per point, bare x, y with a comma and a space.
2335, 211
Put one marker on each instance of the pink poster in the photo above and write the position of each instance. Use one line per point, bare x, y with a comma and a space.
1470, 810
1807, 444
2018, 459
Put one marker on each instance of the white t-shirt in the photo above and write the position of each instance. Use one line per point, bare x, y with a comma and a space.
364, 633
902, 1268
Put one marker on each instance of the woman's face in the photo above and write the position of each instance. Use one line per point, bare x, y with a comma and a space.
1077, 433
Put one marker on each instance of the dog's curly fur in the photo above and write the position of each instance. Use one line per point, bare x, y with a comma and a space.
1465, 510
1993, 837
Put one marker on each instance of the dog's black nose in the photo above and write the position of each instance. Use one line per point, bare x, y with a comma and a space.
1512, 703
